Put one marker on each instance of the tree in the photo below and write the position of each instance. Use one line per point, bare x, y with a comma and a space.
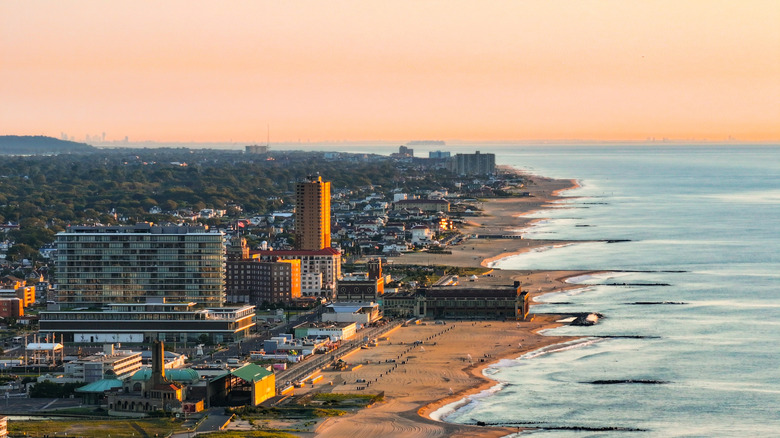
21, 251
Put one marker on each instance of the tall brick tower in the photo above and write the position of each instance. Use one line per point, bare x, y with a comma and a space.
312, 214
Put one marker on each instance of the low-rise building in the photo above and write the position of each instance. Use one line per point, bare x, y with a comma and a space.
420, 234
25, 293
336, 331
249, 385
360, 313
359, 289
146, 322
120, 363
422, 204
11, 307
487, 301
139, 397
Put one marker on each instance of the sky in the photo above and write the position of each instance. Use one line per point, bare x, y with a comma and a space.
317, 71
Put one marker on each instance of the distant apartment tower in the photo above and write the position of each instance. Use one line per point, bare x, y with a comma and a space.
312, 214
256, 149
130, 264
473, 164
438, 154
403, 152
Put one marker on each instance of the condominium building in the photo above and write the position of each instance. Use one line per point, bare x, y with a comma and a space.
312, 214
473, 164
128, 264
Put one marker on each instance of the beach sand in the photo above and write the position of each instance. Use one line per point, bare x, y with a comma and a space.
500, 216
448, 365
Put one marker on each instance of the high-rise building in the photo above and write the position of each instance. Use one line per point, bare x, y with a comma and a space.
130, 264
312, 214
473, 164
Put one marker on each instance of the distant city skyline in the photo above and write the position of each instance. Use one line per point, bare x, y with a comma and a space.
336, 71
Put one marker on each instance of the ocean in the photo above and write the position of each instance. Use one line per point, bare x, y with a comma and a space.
690, 340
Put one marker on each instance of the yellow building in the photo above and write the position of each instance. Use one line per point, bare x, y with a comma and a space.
17, 289
312, 214
249, 385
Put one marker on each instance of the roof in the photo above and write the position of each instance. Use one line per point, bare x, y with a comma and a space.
102, 385
350, 307
176, 374
43, 346
167, 387
422, 201
251, 373
294, 252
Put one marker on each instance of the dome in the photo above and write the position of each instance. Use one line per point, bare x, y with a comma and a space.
182, 375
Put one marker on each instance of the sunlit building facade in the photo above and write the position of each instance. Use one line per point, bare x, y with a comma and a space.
312, 214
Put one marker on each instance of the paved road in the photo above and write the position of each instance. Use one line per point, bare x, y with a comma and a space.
319, 361
23, 405
255, 342
214, 421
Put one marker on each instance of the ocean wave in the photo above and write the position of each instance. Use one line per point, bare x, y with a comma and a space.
570, 345
584, 279
469, 403
465, 404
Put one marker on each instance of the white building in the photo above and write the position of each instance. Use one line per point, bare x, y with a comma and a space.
123, 363
359, 313
420, 234
311, 284
336, 331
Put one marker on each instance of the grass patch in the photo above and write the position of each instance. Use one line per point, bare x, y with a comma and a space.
328, 412
345, 400
247, 434
86, 411
94, 428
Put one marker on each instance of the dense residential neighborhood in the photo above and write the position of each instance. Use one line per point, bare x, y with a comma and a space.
266, 285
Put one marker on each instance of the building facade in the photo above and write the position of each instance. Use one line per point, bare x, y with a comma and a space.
336, 331
488, 302
423, 204
326, 261
143, 323
126, 264
256, 282
312, 214
120, 363
11, 308
473, 164
26, 294
359, 289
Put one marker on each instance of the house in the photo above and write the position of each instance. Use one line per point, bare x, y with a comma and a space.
420, 234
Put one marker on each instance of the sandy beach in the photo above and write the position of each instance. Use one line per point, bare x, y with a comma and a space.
421, 368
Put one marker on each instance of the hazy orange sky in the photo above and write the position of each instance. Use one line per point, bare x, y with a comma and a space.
391, 70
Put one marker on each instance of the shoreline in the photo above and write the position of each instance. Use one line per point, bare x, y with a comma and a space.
419, 392
466, 396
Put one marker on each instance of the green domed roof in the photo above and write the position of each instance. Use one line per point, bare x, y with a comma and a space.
101, 385
186, 375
